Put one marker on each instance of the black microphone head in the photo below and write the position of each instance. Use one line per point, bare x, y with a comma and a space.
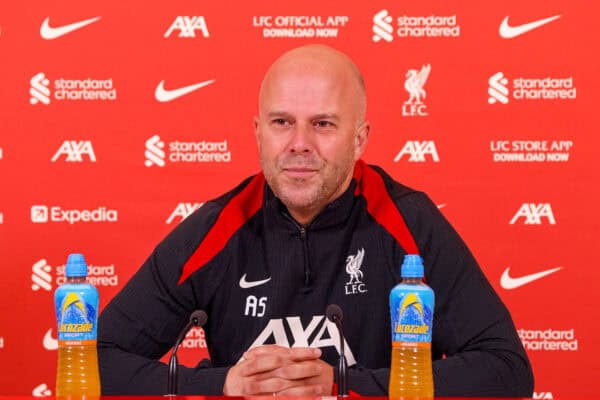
198, 318
334, 313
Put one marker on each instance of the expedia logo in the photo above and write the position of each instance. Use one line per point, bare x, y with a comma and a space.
44, 214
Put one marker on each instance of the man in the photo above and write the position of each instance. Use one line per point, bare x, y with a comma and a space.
265, 260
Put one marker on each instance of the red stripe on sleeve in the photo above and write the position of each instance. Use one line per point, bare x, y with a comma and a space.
239, 210
381, 207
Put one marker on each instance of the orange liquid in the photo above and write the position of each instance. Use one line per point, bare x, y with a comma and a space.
77, 371
411, 376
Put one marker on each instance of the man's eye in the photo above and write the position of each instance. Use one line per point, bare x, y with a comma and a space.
280, 121
323, 124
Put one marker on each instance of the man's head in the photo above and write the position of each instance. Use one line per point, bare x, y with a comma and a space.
311, 127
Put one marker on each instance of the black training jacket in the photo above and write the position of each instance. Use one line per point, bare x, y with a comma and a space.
264, 279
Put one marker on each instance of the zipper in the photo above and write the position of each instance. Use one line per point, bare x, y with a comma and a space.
303, 237
304, 240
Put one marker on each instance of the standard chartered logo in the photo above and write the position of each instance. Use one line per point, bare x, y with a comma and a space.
382, 27
155, 155
158, 152
88, 89
501, 89
43, 279
40, 276
498, 90
40, 93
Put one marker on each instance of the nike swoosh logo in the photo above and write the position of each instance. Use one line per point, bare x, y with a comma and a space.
509, 32
244, 284
49, 342
47, 32
164, 95
507, 282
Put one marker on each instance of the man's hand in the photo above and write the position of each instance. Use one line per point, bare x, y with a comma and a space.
275, 370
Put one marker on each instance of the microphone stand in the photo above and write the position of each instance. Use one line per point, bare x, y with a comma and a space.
335, 315
198, 318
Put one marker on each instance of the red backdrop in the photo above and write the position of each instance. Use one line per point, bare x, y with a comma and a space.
101, 153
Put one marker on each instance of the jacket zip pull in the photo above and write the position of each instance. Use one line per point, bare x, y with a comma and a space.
306, 261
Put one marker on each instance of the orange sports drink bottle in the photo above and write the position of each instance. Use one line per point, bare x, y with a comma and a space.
76, 304
411, 308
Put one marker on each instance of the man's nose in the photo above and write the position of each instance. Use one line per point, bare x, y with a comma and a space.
301, 139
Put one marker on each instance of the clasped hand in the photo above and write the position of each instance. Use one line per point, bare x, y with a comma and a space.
275, 370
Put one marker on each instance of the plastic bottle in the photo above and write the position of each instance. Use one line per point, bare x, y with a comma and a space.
411, 307
76, 304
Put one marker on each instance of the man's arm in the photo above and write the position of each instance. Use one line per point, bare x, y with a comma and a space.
475, 344
139, 326
142, 322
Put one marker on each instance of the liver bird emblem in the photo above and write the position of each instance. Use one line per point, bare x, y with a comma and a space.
414, 83
353, 264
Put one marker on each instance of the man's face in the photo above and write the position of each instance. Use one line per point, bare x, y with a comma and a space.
310, 133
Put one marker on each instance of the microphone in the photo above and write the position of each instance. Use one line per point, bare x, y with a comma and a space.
334, 314
198, 318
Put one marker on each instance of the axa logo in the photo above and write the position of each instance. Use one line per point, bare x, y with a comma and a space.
508, 31
543, 395
498, 89
415, 81
187, 27
40, 276
41, 390
75, 150
320, 332
418, 151
49, 342
533, 213
510, 282
353, 268
155, 153
48, 32
182, 211
382, 27
39, 91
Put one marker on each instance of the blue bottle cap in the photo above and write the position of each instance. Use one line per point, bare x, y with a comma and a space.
76, 265
412, 267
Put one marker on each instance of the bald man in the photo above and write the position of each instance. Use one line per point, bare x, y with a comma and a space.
265, 259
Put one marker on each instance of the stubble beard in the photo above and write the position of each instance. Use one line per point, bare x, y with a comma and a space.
306, 196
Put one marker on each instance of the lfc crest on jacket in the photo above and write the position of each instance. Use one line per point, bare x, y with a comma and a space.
353, 267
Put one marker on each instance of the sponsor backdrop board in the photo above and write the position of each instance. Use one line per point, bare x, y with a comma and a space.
120, 118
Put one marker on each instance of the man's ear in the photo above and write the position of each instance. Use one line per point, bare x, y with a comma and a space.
256, 129
361, 138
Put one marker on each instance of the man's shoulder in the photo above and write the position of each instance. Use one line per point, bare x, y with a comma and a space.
395, 189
